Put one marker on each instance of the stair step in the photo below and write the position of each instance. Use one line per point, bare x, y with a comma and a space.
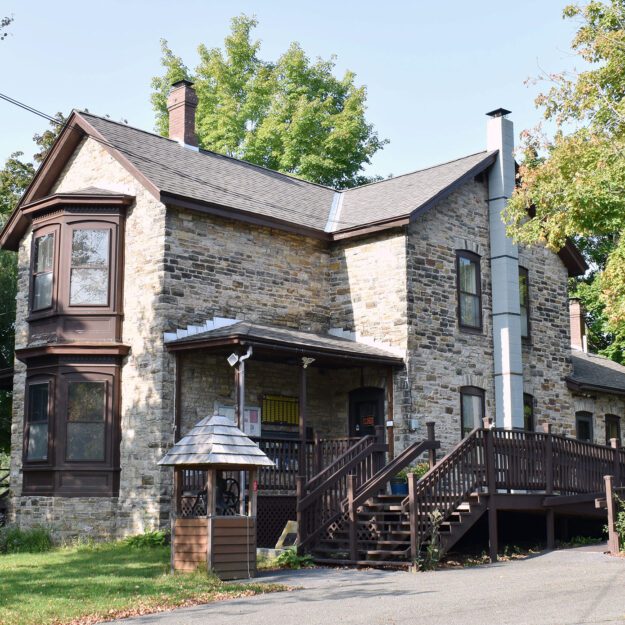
373, 563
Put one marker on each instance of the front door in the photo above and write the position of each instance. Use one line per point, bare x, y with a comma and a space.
366, 410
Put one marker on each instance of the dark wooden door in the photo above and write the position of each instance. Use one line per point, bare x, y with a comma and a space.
366, 410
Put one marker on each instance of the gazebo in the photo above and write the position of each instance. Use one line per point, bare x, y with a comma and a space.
215, 527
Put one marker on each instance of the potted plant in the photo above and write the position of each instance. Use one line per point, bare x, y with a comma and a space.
399, 483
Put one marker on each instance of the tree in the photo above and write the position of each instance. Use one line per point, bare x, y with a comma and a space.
291, 115
5, 22
573, 183
15, 177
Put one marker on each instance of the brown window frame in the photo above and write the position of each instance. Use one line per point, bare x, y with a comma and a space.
523, 271
36, 380
584, 415
528, 401
38, 233
474, 391
58, 475
616, 420
474, 258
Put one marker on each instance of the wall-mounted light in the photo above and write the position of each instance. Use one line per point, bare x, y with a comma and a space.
233, 359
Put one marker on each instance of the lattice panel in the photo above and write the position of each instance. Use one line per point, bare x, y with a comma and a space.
272, 514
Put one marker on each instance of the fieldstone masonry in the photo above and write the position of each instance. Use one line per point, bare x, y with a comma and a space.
397, 287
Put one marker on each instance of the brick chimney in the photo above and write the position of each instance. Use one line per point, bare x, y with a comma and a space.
181, 105
578, 325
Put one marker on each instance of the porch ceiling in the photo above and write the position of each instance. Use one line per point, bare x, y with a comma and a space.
279, 343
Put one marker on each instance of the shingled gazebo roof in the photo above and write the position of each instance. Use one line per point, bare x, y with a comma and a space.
216, 441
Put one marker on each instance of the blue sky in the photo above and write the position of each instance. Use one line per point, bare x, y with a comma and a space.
432, 69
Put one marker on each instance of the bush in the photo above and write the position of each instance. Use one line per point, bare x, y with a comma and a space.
156, 538
15, 540
289, 559
419, 469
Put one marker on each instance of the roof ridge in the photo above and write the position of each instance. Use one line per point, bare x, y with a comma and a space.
417, 171
210, 152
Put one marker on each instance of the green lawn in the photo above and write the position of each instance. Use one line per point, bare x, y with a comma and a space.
90, 584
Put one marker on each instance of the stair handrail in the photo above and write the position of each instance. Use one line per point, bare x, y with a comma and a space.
382, 477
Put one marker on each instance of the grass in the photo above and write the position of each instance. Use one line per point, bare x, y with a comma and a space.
89, 584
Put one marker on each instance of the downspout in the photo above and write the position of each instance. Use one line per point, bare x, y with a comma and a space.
504, 261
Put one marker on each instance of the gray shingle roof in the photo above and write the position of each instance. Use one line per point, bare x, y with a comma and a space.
212, 178
597, 372
404, 194
216, 441
272, 335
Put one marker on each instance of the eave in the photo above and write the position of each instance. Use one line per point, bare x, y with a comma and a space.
584, 387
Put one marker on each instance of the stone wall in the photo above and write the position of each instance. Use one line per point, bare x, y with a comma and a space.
441, 357
547, 353
599, 405
220, 267
147, 380
207, 382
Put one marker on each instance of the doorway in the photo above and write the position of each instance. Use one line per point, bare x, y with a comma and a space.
366, 410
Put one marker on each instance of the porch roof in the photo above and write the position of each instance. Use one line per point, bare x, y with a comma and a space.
267, 339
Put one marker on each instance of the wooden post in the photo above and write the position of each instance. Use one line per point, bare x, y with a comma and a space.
412, 511
299, 492
548, 461
615, 443
491, 477
390, 435
431, 427
551, 528
173, 514
353, 521
318, 455
211, 488
613, 543
379, 457
252, 492
302, 422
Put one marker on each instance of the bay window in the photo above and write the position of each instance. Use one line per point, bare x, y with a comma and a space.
37, 421
43, 270
86, 416
89, 269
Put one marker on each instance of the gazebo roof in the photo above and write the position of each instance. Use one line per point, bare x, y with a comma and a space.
216, 441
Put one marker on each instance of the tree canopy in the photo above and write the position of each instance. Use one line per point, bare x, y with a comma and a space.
290, 115
573, 182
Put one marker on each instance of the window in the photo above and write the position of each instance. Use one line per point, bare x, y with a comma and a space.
612, 428
583, 426
528, 412
89, 272
43, 269
72, 433
280, 410
86, 420
37, 422
469, 290
471, 408
524, 300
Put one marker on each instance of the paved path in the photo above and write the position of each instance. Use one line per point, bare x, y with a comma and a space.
559, 588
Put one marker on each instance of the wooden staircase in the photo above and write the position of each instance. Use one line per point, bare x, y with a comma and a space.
346, 515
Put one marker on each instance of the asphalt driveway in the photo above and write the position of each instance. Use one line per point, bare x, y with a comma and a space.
558, 588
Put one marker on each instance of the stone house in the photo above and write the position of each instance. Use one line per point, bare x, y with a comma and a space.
144, 263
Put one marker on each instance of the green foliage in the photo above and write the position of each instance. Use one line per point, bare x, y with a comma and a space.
5, 22
619, 522
156, 538
15, 540
289, 559
572, 183
430, 557
291, 115
419, 469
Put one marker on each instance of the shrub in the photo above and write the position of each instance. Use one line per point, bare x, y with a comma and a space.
419, 469
619, 523
15, 540
156, 538
289, 559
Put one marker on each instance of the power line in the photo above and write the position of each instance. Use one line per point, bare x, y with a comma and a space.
141, 157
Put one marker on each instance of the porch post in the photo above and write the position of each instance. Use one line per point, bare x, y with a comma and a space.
302, 422
613, 542
390, 436
615, 443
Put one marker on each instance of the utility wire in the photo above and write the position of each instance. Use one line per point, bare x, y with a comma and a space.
185, 175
